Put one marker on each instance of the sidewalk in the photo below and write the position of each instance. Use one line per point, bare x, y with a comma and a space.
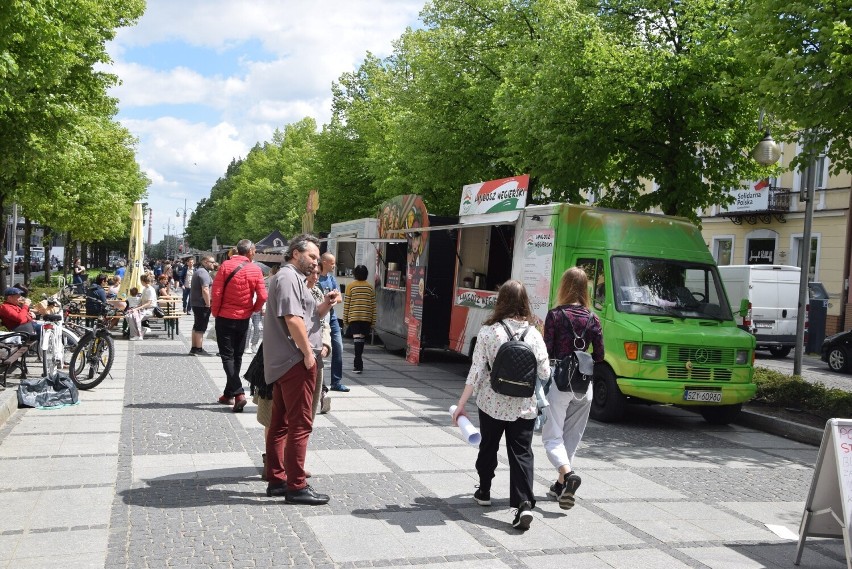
150, 472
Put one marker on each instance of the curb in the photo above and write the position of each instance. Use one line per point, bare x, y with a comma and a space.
780, 427
8, 403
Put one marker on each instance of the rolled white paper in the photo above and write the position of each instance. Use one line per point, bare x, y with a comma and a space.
468, 431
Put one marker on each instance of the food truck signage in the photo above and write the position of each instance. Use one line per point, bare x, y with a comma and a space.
537, 267
495, 196
474, 298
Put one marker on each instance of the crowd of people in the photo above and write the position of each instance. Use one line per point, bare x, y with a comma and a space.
288, 319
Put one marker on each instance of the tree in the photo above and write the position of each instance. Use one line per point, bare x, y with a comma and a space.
802, 52
48, 82
611, 95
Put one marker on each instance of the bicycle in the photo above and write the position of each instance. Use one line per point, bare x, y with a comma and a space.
92, 358
57, 342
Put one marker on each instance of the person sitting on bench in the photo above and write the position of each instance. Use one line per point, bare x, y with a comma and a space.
17, 316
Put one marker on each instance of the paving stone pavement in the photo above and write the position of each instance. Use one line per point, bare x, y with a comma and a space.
149, 471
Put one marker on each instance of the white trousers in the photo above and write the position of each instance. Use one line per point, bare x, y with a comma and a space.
567, 416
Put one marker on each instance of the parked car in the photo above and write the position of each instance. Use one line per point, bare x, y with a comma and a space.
837, 351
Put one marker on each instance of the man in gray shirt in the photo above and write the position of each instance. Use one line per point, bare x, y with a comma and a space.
290, 335
199, 299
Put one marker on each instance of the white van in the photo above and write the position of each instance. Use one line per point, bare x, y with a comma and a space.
773, 295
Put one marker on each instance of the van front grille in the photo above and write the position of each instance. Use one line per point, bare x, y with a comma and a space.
699, 373
700, 356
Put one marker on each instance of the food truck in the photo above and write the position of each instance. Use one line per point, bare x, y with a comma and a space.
414, 276
669, 331
353, 243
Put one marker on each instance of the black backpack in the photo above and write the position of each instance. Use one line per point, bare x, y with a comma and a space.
575, 370
515, 368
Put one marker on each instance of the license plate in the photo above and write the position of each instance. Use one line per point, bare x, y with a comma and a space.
763, 324
703, 396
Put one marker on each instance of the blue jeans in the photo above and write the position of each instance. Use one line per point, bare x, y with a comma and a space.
336, 351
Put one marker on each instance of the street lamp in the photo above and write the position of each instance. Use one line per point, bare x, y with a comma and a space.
767, 153
182, 210
168, 227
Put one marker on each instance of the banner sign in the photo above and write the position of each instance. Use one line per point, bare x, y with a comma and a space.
475, 298
753, 197
507, 194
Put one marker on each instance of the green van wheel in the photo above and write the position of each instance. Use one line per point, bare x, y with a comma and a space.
608, 403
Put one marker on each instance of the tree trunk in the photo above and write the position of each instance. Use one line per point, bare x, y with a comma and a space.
4, 225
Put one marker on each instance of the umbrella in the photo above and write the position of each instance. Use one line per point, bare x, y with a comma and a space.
134, 252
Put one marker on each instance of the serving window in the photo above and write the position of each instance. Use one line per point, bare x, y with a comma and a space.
485, 256
393, 265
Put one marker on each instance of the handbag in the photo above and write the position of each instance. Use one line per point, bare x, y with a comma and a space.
158, 312
574, 371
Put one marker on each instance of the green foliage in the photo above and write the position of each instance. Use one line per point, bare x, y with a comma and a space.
608, 97
802, 54
782, 390
62, 157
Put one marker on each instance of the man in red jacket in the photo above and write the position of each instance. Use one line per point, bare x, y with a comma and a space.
238, 291
16, 315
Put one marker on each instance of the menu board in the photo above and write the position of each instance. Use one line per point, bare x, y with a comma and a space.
537, 268
393, 279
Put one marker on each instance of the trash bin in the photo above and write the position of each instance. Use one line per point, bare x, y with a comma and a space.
818, 302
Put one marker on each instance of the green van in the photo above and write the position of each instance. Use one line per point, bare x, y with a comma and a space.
669, 332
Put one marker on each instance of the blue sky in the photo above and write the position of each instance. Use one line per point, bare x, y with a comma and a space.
204, 80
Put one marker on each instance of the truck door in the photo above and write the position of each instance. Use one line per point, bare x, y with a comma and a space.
594, 268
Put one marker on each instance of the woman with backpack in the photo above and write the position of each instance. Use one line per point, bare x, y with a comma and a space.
568, 327
499, 413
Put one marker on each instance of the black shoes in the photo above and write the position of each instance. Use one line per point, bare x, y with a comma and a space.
566, 497
523, 517
276, 490
482, 497
307, 496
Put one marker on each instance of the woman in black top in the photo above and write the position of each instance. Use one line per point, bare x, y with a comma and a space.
568, 412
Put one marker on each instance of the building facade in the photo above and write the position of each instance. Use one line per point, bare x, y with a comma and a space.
765, 225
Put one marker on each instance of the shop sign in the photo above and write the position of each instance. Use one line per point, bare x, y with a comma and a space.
753, 197
537, 267
495, 196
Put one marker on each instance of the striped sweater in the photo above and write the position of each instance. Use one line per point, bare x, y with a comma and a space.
360, 303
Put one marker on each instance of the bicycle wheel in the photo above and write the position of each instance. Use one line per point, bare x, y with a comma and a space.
48, 356
92, 361
69, 343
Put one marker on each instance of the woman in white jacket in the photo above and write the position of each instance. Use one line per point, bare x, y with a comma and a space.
499, 414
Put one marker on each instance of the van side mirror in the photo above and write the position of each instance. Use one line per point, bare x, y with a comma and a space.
743, 308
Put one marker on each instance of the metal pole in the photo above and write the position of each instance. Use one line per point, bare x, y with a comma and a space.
805, 262
14, 244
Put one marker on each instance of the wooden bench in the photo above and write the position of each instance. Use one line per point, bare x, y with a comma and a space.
14, 347
169, 323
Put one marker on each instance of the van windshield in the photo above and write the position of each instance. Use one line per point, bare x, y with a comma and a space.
663, 286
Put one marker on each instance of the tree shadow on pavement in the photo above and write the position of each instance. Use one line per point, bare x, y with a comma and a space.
197, 488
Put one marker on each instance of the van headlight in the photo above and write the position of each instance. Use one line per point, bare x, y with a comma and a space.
651, 352
742, 357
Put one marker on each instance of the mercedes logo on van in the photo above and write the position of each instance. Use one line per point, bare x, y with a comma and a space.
701, 355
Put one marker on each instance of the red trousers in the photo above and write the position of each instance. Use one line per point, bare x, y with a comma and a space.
290, 426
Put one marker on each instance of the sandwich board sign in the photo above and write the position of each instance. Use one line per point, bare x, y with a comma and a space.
828, 510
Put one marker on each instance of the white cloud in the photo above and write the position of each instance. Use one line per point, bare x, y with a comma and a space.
308, 45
